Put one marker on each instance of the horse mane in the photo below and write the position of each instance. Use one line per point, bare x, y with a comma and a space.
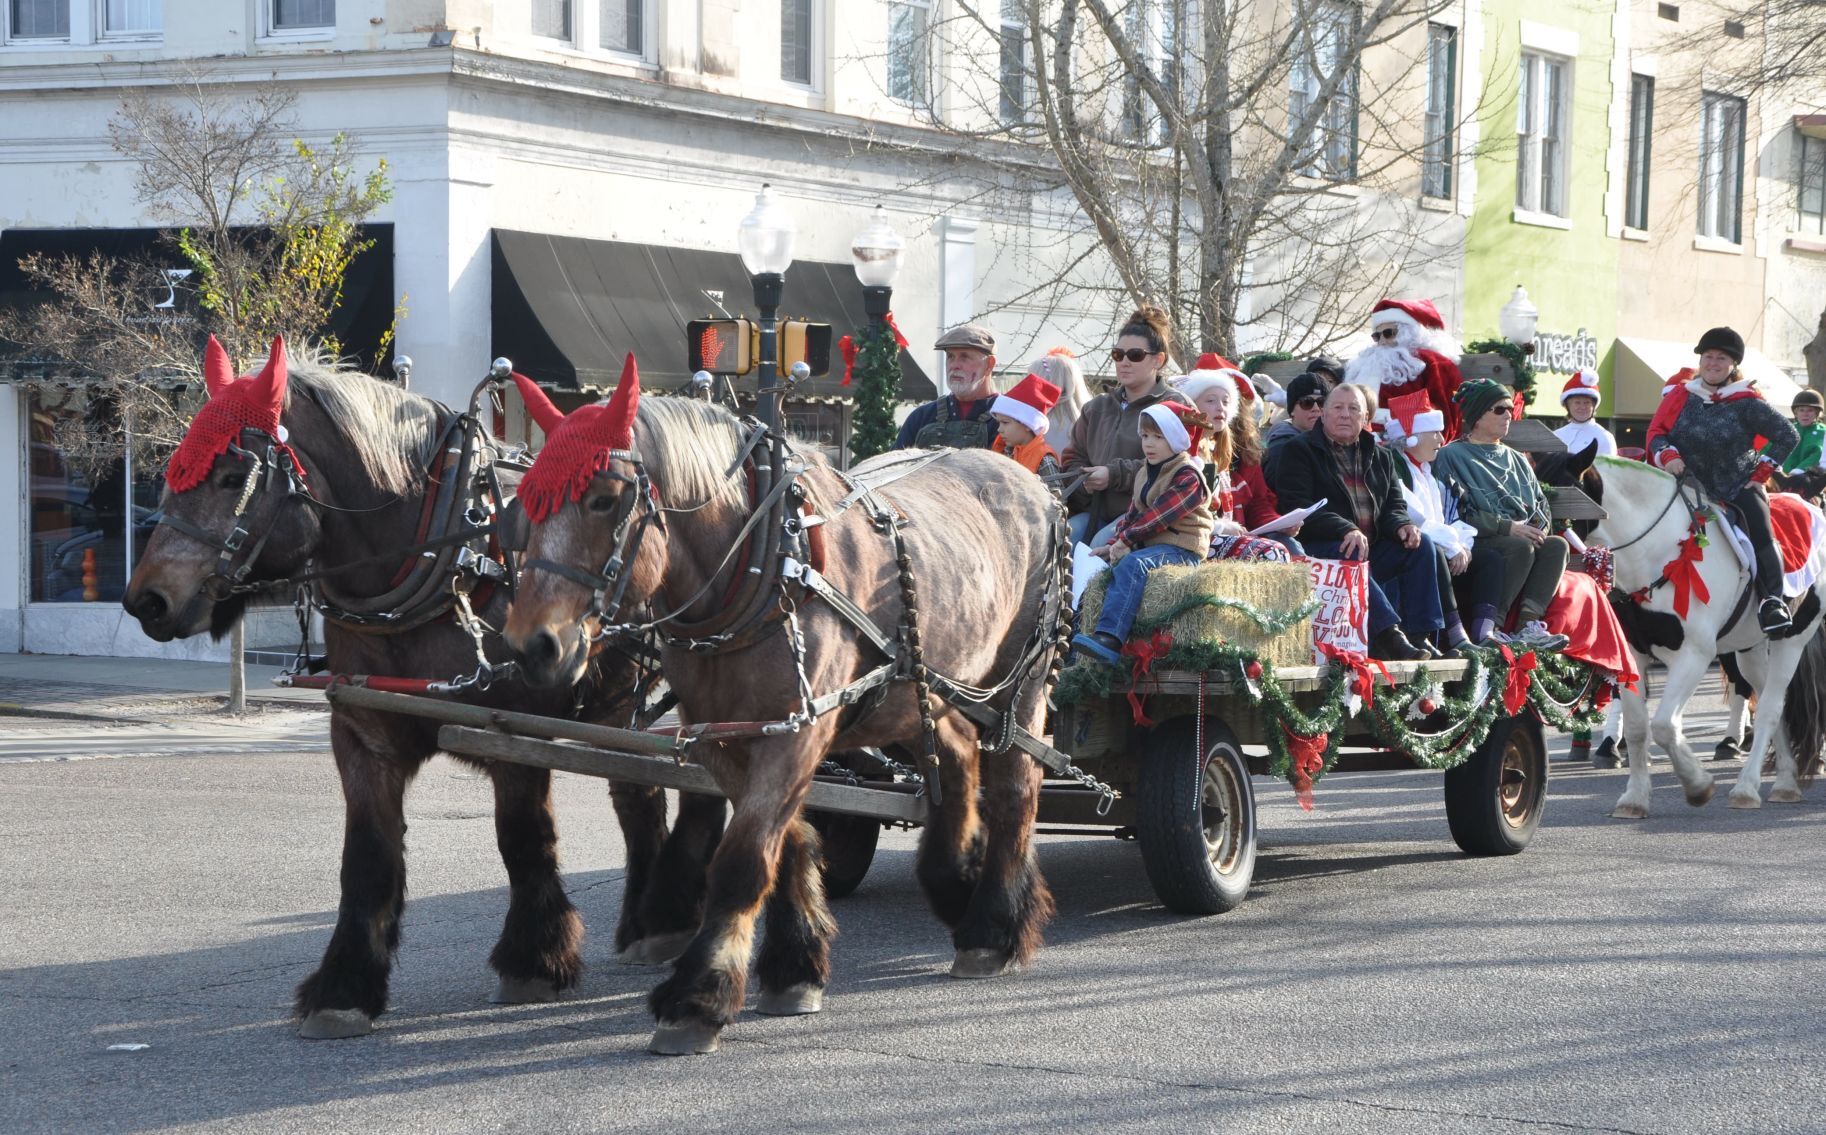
394, 433
688, 446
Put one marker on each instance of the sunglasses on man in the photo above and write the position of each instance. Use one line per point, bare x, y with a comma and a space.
1389, 333
1311, 402
1132, 354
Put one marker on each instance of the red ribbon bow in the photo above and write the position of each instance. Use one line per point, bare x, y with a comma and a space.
847, 346
1361, 666
1145, 652
899, 339
1515, 687
1682, 574
1308, 758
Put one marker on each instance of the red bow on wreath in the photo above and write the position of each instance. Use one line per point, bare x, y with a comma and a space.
1682, 574
848, 348
1363, 678
1515, 687
1145, 652
1307, 757
899, 339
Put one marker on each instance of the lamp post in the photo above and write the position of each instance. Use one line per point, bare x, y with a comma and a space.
876, 254
1518, 318
765, 239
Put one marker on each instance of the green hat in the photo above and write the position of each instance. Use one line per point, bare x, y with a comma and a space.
1477, 397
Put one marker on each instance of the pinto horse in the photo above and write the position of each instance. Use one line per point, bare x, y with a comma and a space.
1688, 615
653, 502
325, 467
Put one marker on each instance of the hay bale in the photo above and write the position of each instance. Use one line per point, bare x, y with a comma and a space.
1268, 587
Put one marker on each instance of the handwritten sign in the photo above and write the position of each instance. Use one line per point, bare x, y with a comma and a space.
1342, 589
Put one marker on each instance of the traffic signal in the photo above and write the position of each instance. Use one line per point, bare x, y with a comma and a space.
721, 346
809, 343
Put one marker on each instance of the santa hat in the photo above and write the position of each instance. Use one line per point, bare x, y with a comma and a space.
1028, 402
1212, 361
1582, 384
235, 404
1411, 415
1418, 314
580, 445
1183, 426
1200, 382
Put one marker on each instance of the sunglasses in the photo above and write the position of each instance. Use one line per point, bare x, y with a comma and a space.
1311, 402
1389, 333
1505, 410
1132, 354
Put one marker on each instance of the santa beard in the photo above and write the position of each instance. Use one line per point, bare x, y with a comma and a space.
1384, 366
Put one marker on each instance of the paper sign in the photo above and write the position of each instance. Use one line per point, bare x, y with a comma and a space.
1085, 567
1289, 519
1342, 589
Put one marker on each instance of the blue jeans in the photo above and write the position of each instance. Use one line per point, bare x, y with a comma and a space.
1403, 584
1080, 522
1130, 576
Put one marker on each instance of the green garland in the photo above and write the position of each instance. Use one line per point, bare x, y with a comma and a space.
877, 381
1255, 362
1518, 358
1268, 622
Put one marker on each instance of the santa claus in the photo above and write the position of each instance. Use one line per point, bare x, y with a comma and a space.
1409, 352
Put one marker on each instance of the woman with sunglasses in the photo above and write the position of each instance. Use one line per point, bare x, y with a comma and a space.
1106, 439
1305, 399
1499, 496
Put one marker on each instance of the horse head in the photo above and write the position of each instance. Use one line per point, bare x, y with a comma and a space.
1573, 469
589, 505
233, 506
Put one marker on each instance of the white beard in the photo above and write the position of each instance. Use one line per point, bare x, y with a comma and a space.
1384, 366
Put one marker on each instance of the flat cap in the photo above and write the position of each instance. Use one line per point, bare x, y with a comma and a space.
972, 335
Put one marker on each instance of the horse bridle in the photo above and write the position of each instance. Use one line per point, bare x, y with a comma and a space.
1680, 480
608, 585
236, 556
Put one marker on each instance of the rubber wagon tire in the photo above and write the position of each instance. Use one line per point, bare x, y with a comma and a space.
1494, 801
1195, 818
849, 848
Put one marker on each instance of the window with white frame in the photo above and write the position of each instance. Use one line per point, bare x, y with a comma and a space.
303, 15
796, 42
132, 17
1542, 111
1012, 74
1325, 58
1439, 154
1811, 180
1721, 167
1152, 27
80, 22
37, 19
910, 51
624, 26
618, 26
552, 19
1641, 132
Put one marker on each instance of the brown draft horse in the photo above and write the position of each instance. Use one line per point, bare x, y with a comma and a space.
984, 541
364, 457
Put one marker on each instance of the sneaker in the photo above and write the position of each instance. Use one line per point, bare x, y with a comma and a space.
1535, 636
1772, 616
1102, 647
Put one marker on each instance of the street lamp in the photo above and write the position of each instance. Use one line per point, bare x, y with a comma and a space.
765, 239
876, 253
1518, 318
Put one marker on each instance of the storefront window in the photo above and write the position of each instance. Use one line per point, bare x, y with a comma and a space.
83, 510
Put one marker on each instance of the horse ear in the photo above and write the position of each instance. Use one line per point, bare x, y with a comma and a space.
1582, 460
538, 404
622, 405
269, 389
218, 372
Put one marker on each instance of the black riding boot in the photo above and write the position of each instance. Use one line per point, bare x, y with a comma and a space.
1753, 511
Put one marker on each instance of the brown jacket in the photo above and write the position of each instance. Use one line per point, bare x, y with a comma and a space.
1108, 432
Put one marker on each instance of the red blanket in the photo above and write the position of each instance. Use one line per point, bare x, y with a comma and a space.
1793, 524
1582, 613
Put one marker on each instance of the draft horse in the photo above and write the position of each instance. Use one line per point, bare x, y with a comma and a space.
1688, 613
307, 471
954, 561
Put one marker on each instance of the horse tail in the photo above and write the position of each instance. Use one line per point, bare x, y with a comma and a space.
1804, 713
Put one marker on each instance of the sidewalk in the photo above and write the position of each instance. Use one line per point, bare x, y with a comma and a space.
115, 689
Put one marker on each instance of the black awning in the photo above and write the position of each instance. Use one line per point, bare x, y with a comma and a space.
358, 323
567, 309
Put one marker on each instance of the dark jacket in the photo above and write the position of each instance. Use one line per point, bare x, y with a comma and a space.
1306, 470
925, 415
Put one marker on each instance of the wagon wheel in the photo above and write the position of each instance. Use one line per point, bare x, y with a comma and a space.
849, 848
1495, 799
1195, 818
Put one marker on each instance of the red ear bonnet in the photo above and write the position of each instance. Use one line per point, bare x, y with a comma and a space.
580, 447
538, 404
234, 405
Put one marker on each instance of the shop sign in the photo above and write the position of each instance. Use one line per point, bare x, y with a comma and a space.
1564, 354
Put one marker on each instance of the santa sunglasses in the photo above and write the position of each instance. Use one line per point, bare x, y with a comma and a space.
1132, 354
1389, 333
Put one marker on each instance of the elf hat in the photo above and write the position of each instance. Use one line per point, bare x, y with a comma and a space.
1411, 415
1183, 426
1028, 402
1582, 384
1212, 361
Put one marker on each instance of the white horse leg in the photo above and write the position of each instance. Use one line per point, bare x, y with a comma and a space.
1633, 804
1684, 675
1777, 670
1787, 787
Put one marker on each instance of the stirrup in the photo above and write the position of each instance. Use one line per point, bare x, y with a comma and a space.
1772, 616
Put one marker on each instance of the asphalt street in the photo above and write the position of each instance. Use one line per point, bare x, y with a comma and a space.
1661, 976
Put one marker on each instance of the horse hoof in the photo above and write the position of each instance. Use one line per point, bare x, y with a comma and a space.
657, 949
525, 991
336, 1024
980, 963
686, 1038
1785, 796
1745, 800
793, 1001
1700, 797
1629, 812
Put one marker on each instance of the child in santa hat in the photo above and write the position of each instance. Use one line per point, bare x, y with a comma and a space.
1581, 397
1168, 522
1021, 421
1415, 429
1240, 497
